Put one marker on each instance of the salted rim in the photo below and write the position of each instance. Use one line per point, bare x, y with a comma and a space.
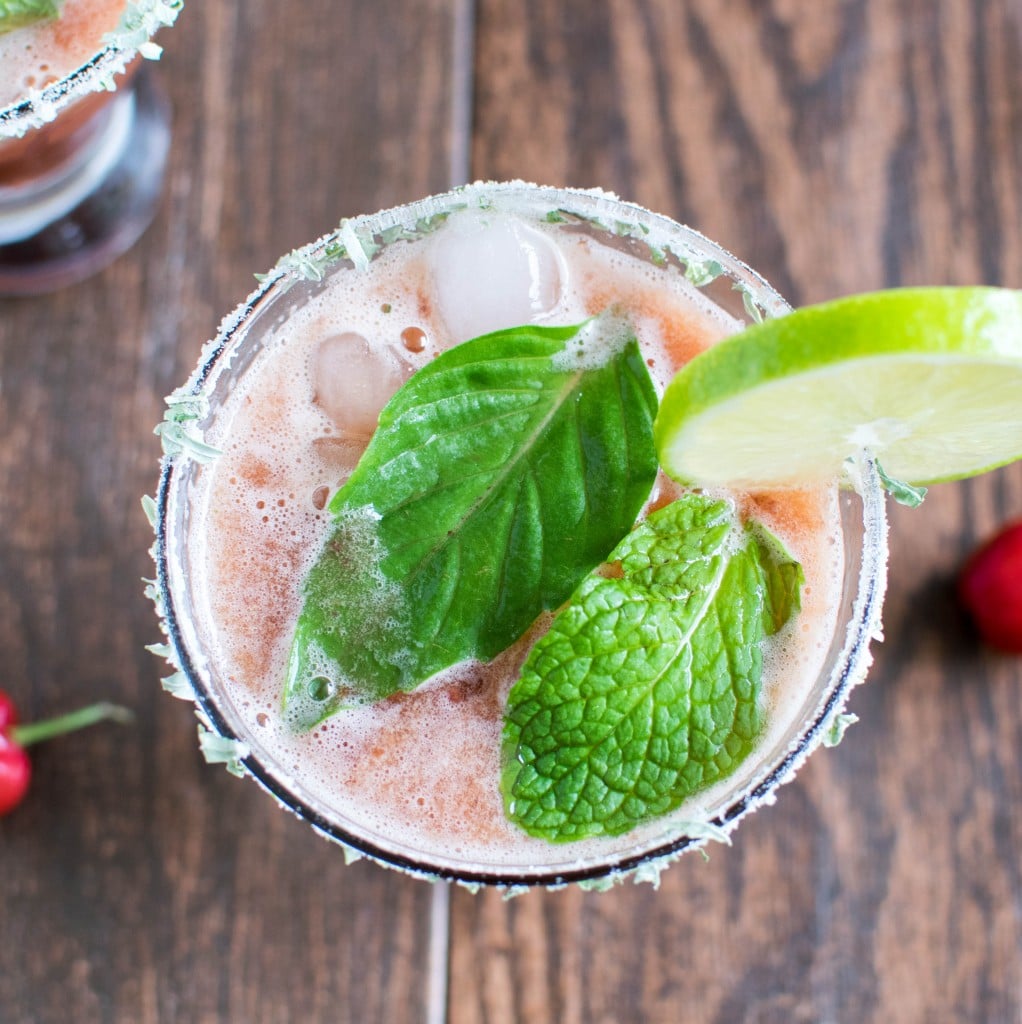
132, 37
354, 241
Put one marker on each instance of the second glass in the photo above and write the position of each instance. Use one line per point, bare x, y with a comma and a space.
84, 136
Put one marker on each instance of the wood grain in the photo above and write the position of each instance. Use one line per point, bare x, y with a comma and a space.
835, 147
141, 886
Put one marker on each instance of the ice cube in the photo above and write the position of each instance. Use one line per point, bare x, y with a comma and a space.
353, 381
492, 271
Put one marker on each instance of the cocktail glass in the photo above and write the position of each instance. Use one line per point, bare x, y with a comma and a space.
82, 163
178, 588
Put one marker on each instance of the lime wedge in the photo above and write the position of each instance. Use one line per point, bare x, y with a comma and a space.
928, 380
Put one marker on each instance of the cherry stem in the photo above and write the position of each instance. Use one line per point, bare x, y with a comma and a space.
36, 732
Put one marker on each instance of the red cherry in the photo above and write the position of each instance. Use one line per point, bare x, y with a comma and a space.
990, 587
8, 712
15, 767
15, 774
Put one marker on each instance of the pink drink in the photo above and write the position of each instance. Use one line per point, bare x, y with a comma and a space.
416, 776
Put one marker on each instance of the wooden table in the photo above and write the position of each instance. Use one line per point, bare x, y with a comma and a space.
836, 145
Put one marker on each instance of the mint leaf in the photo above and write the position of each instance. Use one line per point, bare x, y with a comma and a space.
499, 475
646, 689
784, 578
835, 733
18, 13
903, 493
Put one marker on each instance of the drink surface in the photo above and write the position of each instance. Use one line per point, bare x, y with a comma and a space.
419, 773
38, 54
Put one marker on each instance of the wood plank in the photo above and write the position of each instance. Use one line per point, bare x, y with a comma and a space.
139, 884
835, 147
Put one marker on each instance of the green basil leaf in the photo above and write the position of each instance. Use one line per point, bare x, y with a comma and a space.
18, 13
499, 475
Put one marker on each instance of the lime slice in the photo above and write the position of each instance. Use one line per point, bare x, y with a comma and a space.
928, 380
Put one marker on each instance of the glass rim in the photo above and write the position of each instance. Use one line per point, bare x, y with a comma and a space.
132, 38
847, 669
